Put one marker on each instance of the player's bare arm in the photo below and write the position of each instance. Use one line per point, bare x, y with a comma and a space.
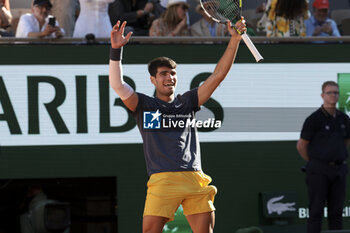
302, 148
126, 93
224, 64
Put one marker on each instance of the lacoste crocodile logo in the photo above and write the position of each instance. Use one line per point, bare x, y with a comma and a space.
274, 206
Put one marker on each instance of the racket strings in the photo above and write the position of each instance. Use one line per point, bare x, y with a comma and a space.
222, 10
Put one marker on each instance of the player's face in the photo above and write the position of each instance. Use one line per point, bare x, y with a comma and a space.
165, 81
330, 95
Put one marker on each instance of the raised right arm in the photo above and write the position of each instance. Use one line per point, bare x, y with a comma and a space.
125, 91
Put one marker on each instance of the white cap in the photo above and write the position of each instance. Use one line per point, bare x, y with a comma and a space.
173, 2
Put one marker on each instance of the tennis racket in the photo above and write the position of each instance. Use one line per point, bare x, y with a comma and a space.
222, 10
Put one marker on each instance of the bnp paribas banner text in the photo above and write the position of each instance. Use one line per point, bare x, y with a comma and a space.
74, 104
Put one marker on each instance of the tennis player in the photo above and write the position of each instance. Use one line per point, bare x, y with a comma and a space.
172, 156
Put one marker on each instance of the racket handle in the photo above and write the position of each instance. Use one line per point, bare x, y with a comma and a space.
252, 48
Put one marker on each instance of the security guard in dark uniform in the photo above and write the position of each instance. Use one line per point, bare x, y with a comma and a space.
323, 143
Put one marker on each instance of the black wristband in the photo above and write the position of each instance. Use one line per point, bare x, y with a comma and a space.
115, 54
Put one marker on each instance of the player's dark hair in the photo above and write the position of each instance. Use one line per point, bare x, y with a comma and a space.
291, 8
329, 83
160, 62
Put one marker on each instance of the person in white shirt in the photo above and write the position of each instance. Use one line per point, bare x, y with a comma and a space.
93, 18
36, 24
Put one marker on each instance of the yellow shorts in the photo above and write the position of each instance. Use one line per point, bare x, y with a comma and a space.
167, 190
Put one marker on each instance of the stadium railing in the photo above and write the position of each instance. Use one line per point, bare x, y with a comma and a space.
176, 40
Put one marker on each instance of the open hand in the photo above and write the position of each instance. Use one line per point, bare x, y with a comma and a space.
118, 39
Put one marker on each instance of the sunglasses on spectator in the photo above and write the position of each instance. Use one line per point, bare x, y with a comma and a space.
184, 7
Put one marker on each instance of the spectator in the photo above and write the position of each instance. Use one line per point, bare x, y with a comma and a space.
261, 8
284, 18
173, 22
319, 24
66, 12
157, 7
36, 24
324, 142
5, 18
206, 26
93, 18
136, 12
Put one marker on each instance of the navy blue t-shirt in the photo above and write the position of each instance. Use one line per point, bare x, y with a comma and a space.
169, 143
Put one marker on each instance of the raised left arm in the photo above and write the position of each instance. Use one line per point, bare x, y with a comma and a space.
223, 67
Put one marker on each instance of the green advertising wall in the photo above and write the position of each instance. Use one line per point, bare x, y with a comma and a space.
240, 170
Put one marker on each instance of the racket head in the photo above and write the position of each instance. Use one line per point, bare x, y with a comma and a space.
222, 10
